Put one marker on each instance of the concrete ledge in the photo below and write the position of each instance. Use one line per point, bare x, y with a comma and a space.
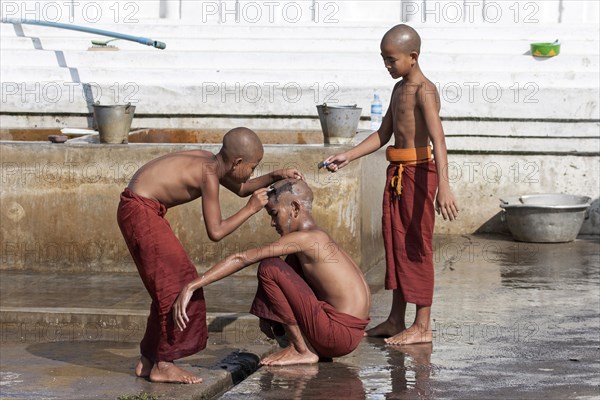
85, 370
453, 126
161, 28
283, 95
318, 59
66, 324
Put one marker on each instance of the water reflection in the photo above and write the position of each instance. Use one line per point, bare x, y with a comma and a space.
325, 381
409, 369
546, 265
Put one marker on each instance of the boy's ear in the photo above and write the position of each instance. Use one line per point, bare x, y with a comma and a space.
236, 162
295, 207
414, 56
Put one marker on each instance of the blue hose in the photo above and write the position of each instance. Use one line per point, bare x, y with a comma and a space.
138, 39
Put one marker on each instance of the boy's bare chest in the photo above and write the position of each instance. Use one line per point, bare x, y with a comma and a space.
404, 100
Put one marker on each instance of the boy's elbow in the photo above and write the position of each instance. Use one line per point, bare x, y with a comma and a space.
215, 236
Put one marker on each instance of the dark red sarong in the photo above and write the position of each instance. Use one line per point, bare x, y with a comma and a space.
407, 222
284, 296
165, 268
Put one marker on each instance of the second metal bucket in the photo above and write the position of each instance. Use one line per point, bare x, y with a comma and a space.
339, 123
113, 122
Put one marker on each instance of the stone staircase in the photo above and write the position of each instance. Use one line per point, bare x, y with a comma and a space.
215, 73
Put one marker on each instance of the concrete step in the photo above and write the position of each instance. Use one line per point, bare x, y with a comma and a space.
288, 98
159, 29
453, 125
358, 44
318, 60
113, 307
502, 94
105, 74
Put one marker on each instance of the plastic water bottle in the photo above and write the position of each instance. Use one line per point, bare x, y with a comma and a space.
376, 112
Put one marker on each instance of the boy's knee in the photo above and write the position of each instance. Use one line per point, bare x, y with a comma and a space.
269, 265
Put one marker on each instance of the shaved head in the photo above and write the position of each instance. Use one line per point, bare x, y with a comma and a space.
242, 143
289, 190
403, 38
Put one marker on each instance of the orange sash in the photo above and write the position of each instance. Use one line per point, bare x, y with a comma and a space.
402, 157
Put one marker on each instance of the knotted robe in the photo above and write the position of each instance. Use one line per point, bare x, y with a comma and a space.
408, 220
165, 268
283, 296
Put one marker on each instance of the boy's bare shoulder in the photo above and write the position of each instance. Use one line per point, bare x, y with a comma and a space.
195, 153
310, 237
397, 86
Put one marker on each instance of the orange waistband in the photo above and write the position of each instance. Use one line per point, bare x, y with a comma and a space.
401, 157
415, 155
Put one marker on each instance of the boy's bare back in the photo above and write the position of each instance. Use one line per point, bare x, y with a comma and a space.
176, 178
330, 272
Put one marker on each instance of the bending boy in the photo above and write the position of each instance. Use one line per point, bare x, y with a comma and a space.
412, 179
161, 260
318, 293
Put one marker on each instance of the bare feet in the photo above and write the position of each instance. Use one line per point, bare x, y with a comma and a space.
413, 335
420, 353
385, 329
290, 356
143, 367
167, 372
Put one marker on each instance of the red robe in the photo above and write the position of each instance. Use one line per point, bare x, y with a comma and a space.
164, 268
408, 220
283, 296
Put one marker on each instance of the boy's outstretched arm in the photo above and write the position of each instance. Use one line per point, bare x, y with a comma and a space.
249, 187
289, 244
428, 101
372, 143
217, 227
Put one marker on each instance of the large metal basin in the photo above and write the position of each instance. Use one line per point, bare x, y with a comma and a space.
545, 218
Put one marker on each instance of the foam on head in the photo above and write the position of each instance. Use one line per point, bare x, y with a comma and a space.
291, 189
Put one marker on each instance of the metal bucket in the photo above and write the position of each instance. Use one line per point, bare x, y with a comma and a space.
113, 122
545, 218
339, 123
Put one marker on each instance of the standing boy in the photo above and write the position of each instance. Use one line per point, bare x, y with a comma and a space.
412, 179
161, 260
318, 295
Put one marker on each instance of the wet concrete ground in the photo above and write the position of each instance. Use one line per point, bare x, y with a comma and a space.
511, 320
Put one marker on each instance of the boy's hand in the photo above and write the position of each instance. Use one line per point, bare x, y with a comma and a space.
446, 205
258, 200
288, 173
179, 315
336, 162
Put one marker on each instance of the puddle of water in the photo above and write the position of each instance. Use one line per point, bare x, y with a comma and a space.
374, 372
